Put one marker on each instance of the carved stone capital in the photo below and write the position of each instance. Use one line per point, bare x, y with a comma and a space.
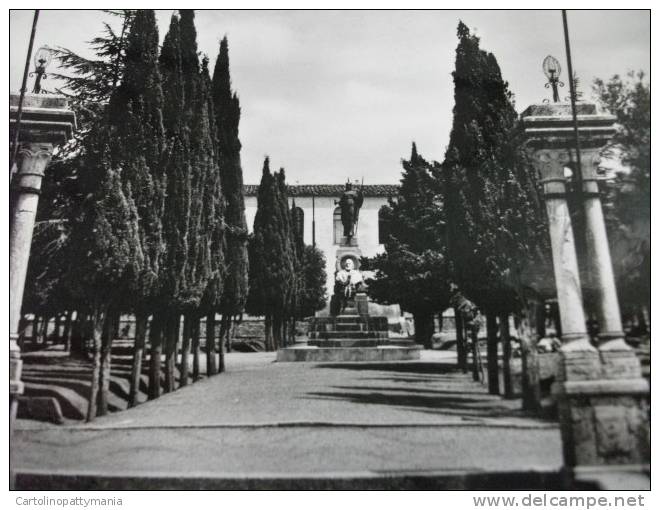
33, 158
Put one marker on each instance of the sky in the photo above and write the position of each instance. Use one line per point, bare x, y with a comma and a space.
331, 95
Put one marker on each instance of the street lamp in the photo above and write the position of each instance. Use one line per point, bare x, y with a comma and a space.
42, 59
552, 70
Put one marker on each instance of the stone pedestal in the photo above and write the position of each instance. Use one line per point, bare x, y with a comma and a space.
344, 251
601, 393
46, 121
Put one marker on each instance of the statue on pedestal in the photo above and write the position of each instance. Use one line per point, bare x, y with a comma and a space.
350, 203
348, 281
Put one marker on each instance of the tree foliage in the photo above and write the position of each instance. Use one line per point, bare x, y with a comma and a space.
494, 220
627, 202
227, 116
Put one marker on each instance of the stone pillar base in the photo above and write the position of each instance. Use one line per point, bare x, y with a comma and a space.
609, 478
603, 420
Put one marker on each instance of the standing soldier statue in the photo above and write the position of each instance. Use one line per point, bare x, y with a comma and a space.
350, 203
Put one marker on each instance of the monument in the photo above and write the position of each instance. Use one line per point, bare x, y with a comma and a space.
350, 333
600, 389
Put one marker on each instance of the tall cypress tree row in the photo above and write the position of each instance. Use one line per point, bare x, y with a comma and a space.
494, 222
227, 113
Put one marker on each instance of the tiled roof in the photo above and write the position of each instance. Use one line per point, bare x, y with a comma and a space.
329, 190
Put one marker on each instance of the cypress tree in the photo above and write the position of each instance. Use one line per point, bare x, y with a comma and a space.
176, 217
227, 117
271, 257
213, 209
105, 245
135, 119
136, 108
492, 216
289, 263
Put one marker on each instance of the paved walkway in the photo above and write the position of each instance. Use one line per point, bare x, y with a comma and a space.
265, 419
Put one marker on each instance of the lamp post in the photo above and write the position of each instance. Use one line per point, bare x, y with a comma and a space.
552, 70
41, 60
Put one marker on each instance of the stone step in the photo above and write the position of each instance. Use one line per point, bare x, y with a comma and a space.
346, 342
357, 342
391, 480
330, 335
348, 327
357, 354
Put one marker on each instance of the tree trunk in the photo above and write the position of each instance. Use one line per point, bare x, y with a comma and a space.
554, 310
211, 365
22, 328
185, 349
292, 331
68, 331
171, 352
424, 329
116, 324
138, 350
106, 361
268, 333
226, 335
155, 352
195, 348
78, 330
56, 328
221, 346
461, 342
476, 354
506, 355
35, 328
43, 330
540, 320
97, 337
531, 389
277, 331
492, 355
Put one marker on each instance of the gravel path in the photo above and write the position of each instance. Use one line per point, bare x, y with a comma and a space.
263, 418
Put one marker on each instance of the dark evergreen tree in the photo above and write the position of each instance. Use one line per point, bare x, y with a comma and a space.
104, 253
227, 115
213, 210
627, 200
493, 219
310, 284
135, 109
271, 257
413, 270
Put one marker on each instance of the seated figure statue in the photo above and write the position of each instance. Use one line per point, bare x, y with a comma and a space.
348, 282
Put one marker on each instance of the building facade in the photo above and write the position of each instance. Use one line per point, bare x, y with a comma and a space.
323, 227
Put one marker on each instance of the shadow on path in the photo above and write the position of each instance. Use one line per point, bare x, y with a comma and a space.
440, 388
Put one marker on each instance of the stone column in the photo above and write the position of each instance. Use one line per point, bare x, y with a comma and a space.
600, 393
45, 122
550, 164
618, 359
26, 186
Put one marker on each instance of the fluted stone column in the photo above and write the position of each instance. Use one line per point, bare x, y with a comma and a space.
601, 394
26, 185
46, 121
